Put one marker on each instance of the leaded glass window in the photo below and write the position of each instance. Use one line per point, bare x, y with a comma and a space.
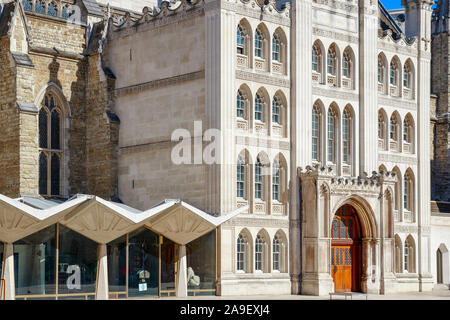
259, 253
393, 128
258, 180
315, 134
331, 61
240, 178
52, 10
343, 229
276, 253
346, 136
406, 76
240, 253
240, 105
335, 228
27, 5
346, 66
349, 256
258, 44
380, 126
240, 40
315, 59
258, 108
39, 7
276, 110
380, 71
276, 181
331, 135
406, 133
50, 122
406, 255
393, 74
406, 193
65, 14
276, 48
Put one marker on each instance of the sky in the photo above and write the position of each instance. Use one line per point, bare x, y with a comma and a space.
392, 4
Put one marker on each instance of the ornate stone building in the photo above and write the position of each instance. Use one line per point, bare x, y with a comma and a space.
316, 115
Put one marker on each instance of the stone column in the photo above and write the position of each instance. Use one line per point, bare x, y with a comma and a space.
102, 273
366, 264
182, 273
8, 272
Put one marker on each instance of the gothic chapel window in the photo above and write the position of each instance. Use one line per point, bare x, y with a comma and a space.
50, 151
240, 40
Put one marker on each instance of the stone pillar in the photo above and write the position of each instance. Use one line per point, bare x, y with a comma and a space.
102, 292
182, 273
8, 272
366, 264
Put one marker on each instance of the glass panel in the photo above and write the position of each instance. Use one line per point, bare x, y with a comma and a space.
35, 263
55, 128
143, 273
52, 10
77, 268
65, 13
117, 268
169, 256
335, 228
55, 175
343, 228
332, 256
341, 256
346, 257
201, 262
350, 228
39, 7
42, 128
349, 256
43, 173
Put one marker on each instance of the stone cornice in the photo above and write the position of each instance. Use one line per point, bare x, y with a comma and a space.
262, 142
334, 35
337, 5
155, 84
325, 91
383, 100
405, 228
397, 158
261, 222
400, 46
263, 78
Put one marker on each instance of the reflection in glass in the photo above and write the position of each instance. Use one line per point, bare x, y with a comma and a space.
34, 263
77, 267
143, 275
117, 268
169, 254
201, 263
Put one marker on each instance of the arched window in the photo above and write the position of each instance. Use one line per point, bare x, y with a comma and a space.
240, 178
406, 256
393, 128
346, 132
315, 59
50, 146
276, 48
240, 250
259, 44
331, 61
240, 105
393, 73
407, 192
380, 71
315, 133
39, 7
259, 253
52, 9
276, 181
27, 5
258, 180
346, 65
380, 125
276, 110
398, 254
406, 76
331, 135
406, 131
276, 253
66, 12
258, 108
240, 40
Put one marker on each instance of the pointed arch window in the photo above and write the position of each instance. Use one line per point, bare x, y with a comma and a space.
39, 7
407, 131
259, 253
346, 131
276, 253
380, 126
393, 74
276, 106
50, 149
240, 40
240, 258
346, 65
331, 135
240, 178
259, 44
276, 181
258, 180
240, 105
380, 71
276, 46
52, 9
407, 192
406, 256
27, 5
406, 76
393, 128
258, 108
315, 133
331, 62
315, 59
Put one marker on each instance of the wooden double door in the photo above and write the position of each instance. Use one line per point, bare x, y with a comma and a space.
346, 250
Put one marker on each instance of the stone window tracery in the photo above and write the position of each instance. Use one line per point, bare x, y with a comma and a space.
316, 133
259, 41
276, 48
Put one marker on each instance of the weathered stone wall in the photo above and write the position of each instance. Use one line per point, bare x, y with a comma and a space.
9, 123
440, 163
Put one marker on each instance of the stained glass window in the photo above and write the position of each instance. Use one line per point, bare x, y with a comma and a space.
55, 130
43, 128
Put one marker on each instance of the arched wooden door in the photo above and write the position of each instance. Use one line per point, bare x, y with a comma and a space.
346, 250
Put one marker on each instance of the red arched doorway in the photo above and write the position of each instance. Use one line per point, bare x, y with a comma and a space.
346, 250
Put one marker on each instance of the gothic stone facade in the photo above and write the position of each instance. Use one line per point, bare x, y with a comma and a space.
301, 138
